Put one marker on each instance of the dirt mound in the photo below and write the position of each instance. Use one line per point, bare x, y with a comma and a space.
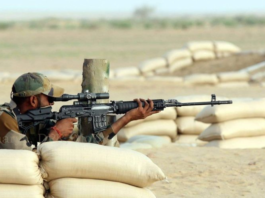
232, 63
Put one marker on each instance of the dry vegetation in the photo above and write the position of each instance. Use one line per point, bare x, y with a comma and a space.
34, 50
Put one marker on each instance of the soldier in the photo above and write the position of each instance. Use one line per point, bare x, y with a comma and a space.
34, 90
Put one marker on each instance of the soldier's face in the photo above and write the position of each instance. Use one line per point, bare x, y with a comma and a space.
44, 101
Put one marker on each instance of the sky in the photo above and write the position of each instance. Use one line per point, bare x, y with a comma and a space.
105, 7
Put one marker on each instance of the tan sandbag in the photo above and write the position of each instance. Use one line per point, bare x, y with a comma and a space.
148, 74
162, 71
223, 54
192, 110
129, 78
189, 140
4, 76
239, 143
233, 76
54, 75
188, 125
238, 110
200, 45
21, 191
201, 79
179, 64
86, 188
169, 113
92, 161
223, 46
19, 167
171, 79
233, 129
177, 54
203, 55
156, 127
128, 71
153, 141
135, 146
152, 64
232, 84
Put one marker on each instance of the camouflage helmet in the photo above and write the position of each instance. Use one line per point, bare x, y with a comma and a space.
31, 84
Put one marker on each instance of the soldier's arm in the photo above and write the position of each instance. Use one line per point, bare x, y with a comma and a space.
10, 137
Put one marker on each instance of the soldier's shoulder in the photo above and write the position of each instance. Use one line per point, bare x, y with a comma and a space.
6, 108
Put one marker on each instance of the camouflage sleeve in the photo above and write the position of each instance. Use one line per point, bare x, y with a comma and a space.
100, 138
10, 137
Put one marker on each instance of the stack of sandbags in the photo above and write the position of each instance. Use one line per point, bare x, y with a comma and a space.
233, 79
201, 50
148, 67
224, 49
126, 72
188, 127
231, 123
20, 175
201, 79
146, 142
177, 59
160, 124
77, 170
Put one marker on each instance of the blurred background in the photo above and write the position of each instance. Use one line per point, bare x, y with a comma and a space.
38, 35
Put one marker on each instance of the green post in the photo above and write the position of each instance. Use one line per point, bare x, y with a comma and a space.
95, 80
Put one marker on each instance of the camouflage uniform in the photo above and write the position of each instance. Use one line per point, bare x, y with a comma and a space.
11, 137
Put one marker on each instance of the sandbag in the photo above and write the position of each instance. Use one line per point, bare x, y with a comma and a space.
153, 141
152, 64
162, 71
58, 76
203, 55
169, 113
189, 140
239, 143
21, 191
200, 45
19, 167
4, 76
92, 161
188, 125
192, 110
150, 73
201, 79
135, 146
177, 54
233, 76
179, 64
128, 71
156, 127
232, 84
223, 46
238, 110
233, 129
86, 188
129, 78
223, 54
172, 79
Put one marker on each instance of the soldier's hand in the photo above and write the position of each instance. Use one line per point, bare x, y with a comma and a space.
141, 112
66, 126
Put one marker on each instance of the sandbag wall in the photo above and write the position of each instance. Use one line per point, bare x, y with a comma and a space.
20, 175
188, 128
154, 131
241, 125
170, 62
81, 170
